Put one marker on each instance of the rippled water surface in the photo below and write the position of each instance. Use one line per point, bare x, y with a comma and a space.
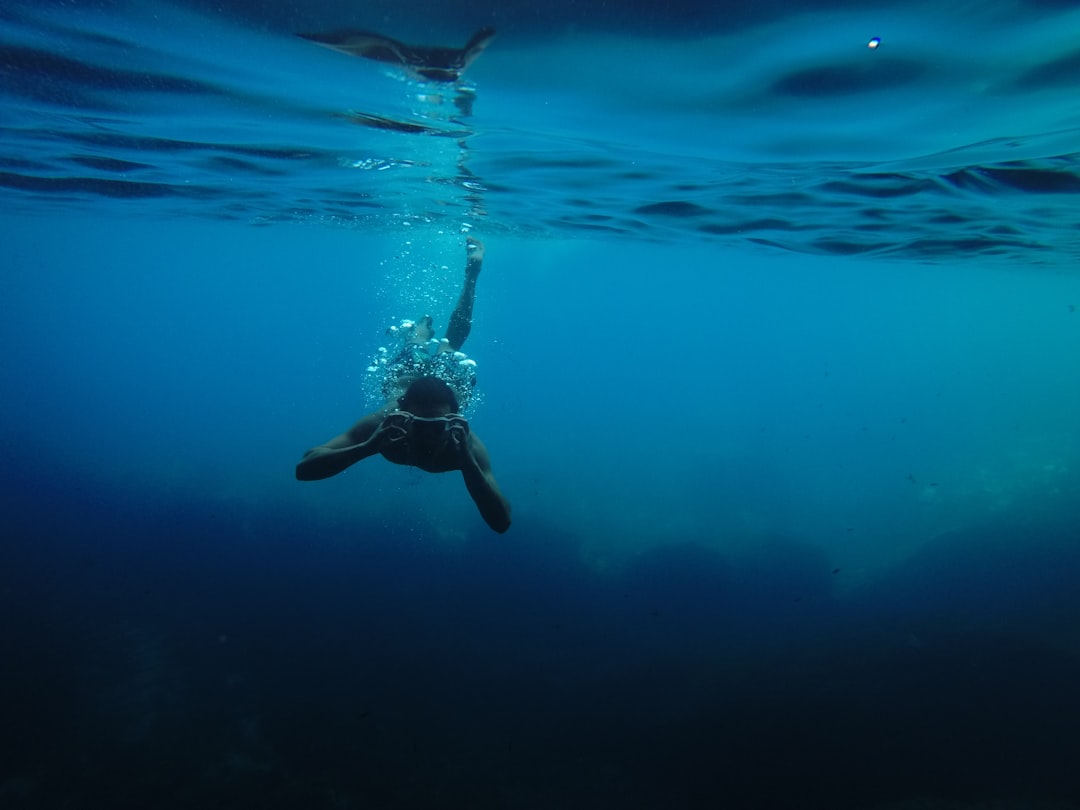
957, 135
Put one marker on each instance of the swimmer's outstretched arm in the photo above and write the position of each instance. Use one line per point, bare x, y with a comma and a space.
363, 439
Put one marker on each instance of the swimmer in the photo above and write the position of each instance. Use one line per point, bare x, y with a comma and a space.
423, 427
434, 63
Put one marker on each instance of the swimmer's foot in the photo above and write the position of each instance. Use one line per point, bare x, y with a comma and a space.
474, 251
424, 330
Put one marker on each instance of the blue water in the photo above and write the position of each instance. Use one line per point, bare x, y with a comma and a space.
777, 351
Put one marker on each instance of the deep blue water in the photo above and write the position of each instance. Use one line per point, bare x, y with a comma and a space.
777, 351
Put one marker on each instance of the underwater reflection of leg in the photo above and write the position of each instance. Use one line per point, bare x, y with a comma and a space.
434, 63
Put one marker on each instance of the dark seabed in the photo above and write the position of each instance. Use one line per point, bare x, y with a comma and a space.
174, 654
777, 344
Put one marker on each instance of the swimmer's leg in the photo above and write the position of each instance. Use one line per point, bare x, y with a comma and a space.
461, 319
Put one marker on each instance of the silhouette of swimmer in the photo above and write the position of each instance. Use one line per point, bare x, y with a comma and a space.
434, 63
423, 426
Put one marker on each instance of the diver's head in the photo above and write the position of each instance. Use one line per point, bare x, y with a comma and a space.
429, 397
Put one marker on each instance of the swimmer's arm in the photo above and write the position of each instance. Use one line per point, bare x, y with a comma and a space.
476, 470
357, 443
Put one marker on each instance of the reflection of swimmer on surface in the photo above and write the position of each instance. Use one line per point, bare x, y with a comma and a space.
434, 63
421, 424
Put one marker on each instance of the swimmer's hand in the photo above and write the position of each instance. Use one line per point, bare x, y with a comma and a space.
459, 437
390, 431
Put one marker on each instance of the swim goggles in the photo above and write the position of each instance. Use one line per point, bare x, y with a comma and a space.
405, 424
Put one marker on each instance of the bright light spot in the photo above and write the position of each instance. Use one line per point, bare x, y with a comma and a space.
873, 43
